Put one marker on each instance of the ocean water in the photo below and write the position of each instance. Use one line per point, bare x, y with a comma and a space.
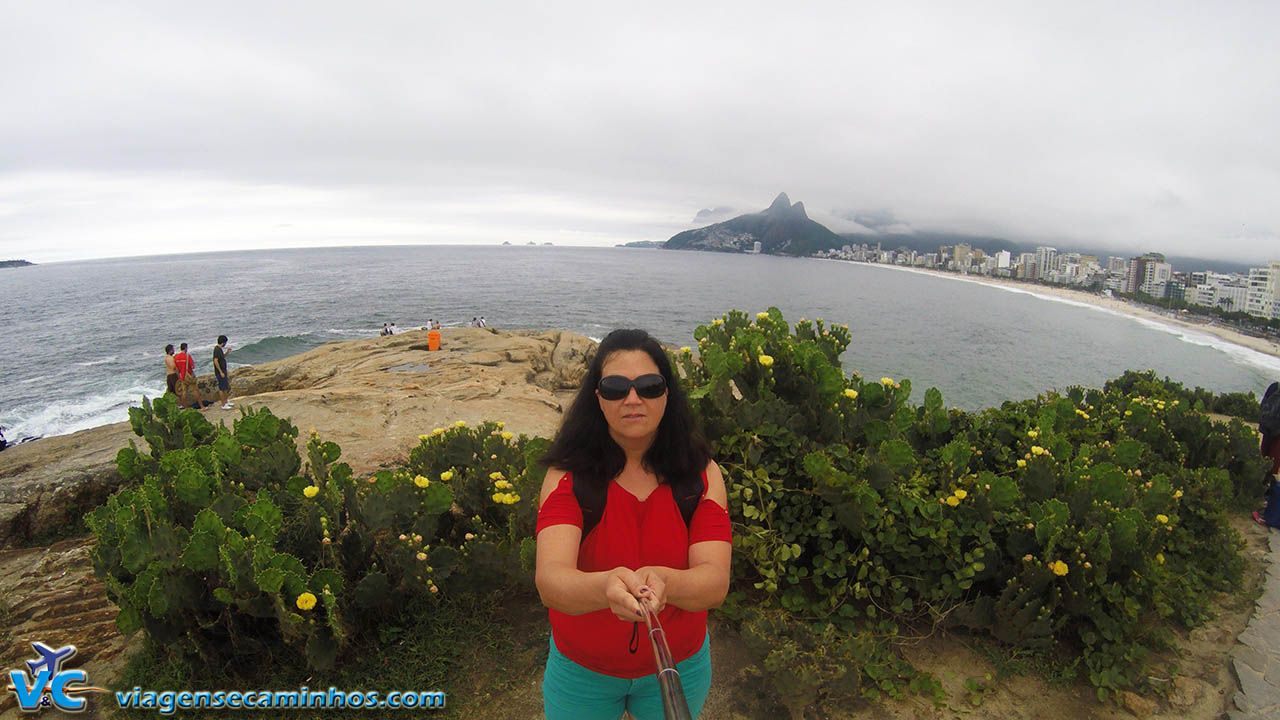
83, 341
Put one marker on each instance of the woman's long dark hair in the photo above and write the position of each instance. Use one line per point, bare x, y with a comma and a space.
584, 447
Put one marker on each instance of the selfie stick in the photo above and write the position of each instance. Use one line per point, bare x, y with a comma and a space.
674, 706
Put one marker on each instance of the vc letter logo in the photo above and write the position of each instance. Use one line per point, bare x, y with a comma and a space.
48, 684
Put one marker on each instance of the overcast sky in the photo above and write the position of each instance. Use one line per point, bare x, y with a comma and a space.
137, 128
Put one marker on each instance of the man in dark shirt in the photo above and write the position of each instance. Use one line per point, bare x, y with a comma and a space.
220, 371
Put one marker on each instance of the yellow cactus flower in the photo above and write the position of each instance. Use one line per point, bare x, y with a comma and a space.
506, 435
1160, 558
311, 491
962, 494
1060, 568
438, 431
1177, 494
501, 425
953, 501
422, 557
886, 381
1162, 518
421, 481
470, 536
435, 589
461, 423
1037, 450
305, 601
424, 437
496, 475
1127, 413
766, 360
1022, 463
1033, 434
717, 321
1082, 414
1027, 558
497, 497
686, 350
851, 393
447, 475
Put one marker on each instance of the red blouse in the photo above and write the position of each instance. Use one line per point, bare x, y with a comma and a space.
634, 534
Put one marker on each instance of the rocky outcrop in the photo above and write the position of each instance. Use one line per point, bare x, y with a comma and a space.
50, 595
373, 397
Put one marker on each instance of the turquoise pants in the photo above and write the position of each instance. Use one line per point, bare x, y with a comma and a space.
572, 692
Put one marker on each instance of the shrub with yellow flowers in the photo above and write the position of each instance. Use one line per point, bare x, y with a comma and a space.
1038, 523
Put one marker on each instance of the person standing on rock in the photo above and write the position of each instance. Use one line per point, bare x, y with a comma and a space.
186, 377
170, 371
632, 519
220, 371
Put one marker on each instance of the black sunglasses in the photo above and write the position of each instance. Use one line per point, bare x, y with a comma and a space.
617, 387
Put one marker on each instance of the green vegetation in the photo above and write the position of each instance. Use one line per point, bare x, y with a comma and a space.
222, 551
1072, 529
1087, 521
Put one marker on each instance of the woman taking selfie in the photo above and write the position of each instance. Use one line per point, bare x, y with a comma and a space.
632, 513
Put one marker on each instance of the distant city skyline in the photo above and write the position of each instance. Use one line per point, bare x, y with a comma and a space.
1256, 292
146, 127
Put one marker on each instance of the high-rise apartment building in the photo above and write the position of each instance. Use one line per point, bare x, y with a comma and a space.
1264, 290
1044, 261
1144, 277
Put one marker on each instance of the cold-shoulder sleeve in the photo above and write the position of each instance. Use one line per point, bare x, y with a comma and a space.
709, 521
561, 507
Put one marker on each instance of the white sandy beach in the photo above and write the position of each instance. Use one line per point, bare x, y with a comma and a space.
1187, 325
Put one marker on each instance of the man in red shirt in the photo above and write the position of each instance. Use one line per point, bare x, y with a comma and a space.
186, 377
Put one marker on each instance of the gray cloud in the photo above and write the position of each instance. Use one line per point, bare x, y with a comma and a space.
130, 128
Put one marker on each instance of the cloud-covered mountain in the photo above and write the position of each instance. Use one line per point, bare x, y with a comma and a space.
781, 229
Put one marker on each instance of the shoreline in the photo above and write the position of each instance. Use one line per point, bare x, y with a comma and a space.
1152, 318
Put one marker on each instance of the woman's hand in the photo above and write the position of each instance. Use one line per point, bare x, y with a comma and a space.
653, 587
621, 589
